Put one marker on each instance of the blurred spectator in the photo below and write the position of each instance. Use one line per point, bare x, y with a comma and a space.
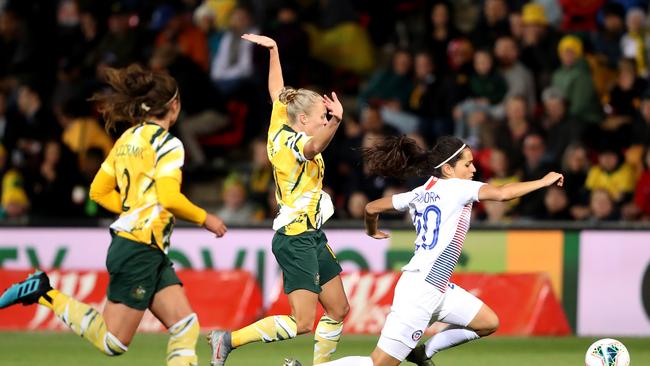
392, 85
579, 15
486, 86
456, 81
236, 209
552, 11
439, 32
556, 204
493, 24
260, 179
222, 9
561, 130
642, 190
373, 122
119, 47
34, 124
634, 43
624, 98
516, 26
3, 118
606, 40
232, 66
622, 102
357, 205
176, 28
573, 78
575, 167
512, 131
13, 198
602, 206
338, 40
519, 79
641, 124
501, 175
53, 184
81, 131
200, 115
534, 149
204, 18
539, 42
293, 40
427, 98
613, 175
18, 48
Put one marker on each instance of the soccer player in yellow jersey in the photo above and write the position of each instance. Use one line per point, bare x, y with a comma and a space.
299, 131
140, 180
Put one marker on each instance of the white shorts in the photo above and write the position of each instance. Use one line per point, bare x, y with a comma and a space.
416, 305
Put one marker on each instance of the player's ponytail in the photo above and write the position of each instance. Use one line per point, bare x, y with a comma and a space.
401, 157
137, 94
298, 101
397, 156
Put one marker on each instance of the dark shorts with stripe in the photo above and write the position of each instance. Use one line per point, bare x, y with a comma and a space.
137, 272
307, 261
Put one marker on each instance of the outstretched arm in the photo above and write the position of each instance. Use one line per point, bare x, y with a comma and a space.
323, 137
371, 217
511, 191
276, 83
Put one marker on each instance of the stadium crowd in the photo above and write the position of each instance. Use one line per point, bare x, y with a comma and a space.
531, 86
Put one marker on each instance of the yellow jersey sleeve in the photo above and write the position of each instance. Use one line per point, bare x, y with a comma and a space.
108, 166
169, 159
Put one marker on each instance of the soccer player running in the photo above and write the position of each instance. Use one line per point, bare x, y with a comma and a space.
440, 210
299, 131
145, 165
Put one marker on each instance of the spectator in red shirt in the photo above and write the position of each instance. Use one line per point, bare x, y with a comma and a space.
642, 191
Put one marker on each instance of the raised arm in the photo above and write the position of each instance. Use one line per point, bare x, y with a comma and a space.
371, 217
276, 83
323, 137
511, 191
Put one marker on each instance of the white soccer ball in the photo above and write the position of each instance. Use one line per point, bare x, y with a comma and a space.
607, 352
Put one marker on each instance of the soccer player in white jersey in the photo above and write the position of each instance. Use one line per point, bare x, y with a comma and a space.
441, 211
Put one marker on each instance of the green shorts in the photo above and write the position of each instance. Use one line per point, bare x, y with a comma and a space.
306, 260
137, 272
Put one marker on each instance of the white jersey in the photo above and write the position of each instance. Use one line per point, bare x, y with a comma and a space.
440, 210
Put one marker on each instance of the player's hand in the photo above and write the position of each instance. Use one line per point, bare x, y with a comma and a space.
263, 41
215, 225
334, 106
553, 178
379, 235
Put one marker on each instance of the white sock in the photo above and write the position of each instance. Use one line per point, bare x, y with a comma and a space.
349, 361
451, 336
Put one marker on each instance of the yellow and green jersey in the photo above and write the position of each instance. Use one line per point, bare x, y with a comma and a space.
298, 182
143, 154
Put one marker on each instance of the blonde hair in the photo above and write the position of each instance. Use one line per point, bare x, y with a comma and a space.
298, 101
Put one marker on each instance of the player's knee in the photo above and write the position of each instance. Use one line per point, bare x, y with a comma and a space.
490, 325
339, 312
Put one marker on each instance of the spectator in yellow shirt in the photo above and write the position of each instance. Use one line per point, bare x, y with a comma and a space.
612, 175
81, 131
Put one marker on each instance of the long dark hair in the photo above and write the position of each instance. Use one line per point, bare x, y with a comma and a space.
136, 95
401, 157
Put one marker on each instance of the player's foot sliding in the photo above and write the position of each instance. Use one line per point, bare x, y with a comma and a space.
26, 292
221, 346
419, 357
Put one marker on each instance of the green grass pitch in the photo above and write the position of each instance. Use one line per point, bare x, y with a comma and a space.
42, 348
